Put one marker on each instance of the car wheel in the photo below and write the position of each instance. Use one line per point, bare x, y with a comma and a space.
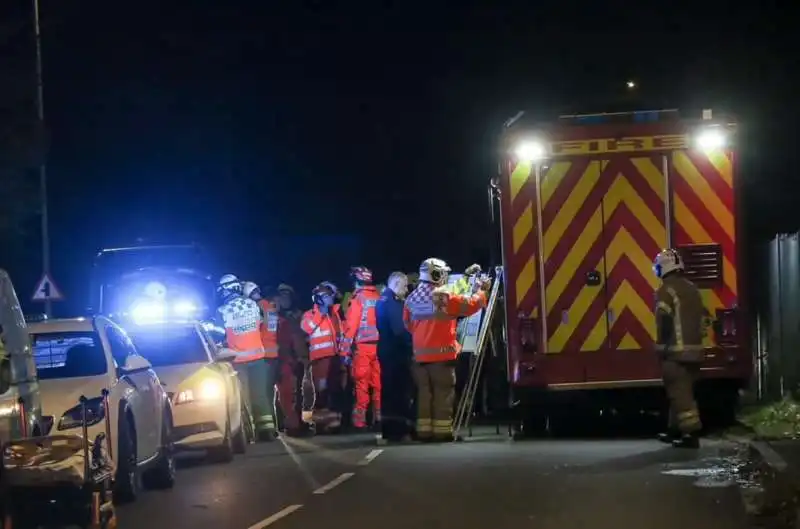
126, 479
240, 437
162, 476
224, 452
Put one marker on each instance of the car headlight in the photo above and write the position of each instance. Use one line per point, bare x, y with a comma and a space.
209, 389
73, 418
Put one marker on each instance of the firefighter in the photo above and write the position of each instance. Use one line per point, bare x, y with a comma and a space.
361, 337
265, 424
241, 318
304, 390
292, 358
679, 331
430, 314
324, 328
394, 355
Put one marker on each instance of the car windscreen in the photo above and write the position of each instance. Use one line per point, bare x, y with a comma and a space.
68, 355
170, 346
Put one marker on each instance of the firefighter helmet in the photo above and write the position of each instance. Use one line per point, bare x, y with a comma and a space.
251, 290
361, 274
229, 283
434, 271
666, 262
284, 288
336, 293
321, 291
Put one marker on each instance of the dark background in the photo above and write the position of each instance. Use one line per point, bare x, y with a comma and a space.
294, 139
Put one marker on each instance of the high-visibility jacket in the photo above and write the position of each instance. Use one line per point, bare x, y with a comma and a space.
241, 319
324, 332
430, 316
680, 315
360, 325
269, 328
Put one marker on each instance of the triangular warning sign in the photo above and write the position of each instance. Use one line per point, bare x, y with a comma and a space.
46, 289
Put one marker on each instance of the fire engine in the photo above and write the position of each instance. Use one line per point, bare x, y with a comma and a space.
586, 203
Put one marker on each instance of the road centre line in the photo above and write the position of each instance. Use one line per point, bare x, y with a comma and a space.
283, 513
369, 457
338, 481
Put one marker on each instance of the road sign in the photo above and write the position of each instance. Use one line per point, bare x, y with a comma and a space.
46, 290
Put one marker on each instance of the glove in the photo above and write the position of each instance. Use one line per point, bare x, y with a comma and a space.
485, 284
472, 270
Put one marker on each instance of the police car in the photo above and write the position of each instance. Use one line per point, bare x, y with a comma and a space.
82, 357
202, 385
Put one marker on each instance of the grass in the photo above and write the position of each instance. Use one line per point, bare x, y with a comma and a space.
777, 420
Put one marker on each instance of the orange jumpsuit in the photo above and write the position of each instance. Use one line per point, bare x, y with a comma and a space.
361, 334
431, 315
324, 333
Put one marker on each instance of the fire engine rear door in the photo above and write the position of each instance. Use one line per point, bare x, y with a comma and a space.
634, 220
574, 266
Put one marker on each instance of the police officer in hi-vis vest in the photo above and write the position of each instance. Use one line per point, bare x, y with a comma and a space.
679, 342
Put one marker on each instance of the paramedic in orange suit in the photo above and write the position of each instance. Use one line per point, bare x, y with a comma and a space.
361, 338
430, 315
324, 328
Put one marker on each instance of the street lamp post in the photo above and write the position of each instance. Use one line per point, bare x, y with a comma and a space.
48, 307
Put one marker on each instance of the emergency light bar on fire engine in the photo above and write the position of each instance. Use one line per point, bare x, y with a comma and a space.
706, 138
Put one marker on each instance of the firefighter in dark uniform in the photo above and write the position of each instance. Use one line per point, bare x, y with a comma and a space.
679, 330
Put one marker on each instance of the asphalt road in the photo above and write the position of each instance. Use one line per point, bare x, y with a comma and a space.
486, 482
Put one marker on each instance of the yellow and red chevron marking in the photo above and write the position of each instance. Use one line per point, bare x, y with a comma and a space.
605, 216
521, 247
703, 205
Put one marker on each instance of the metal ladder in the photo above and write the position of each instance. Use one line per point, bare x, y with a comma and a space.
466, 403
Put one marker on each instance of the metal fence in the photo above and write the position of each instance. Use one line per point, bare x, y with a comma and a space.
776, 292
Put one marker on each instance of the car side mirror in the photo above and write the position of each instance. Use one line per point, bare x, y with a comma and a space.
226, 355
134, 363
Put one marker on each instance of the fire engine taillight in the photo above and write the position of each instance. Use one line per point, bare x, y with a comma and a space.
527, 335
726, 328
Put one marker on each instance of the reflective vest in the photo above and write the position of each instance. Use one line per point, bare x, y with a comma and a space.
324, 332
430, 316
241, 318
269, 328
360, 323
680, 315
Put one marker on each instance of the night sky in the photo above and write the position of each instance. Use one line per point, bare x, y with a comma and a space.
266, 132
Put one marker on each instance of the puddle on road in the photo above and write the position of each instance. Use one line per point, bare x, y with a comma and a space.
711, 472
770, 501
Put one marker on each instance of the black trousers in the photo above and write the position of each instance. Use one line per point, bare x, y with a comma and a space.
397, 393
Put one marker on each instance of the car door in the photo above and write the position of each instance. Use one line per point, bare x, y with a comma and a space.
143, 396
231, 379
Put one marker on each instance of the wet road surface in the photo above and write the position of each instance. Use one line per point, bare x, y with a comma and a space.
488, 481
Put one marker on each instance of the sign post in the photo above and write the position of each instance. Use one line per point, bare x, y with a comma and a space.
46, 290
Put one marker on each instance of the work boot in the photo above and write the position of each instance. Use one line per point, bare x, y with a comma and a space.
266, 434
687, 441
668, 436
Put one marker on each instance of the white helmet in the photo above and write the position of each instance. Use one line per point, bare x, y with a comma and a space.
666, 262
229, 282
249, 288
434, 271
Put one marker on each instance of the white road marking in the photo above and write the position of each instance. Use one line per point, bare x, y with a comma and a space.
338, 481
369, 457
283, 513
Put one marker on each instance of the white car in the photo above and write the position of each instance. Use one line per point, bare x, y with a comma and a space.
200, 380
82, 357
